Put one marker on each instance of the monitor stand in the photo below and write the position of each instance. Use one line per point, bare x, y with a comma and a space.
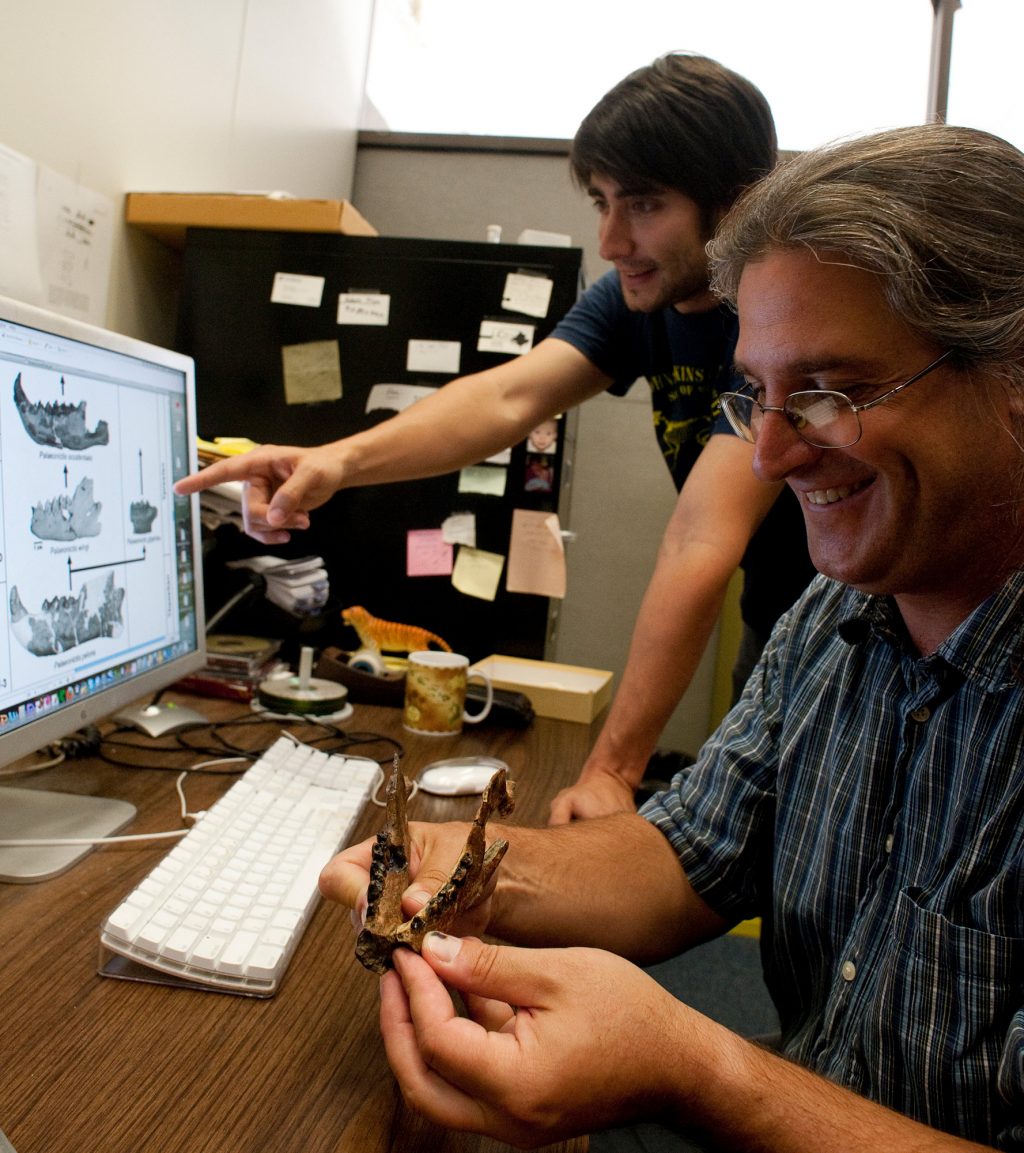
40, 815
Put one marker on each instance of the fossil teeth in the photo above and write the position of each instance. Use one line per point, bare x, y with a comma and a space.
384, 930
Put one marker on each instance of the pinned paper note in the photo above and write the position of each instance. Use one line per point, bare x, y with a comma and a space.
433, 356
529, 294
506, 337
363, 308
396, 396
76, 231
460, 528
312, 372
477, 573
484, 479
292, 288
536, 555
427, 553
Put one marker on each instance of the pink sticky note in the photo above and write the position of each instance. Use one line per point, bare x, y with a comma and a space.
427, 553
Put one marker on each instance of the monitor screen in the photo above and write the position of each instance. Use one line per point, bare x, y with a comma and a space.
100, 567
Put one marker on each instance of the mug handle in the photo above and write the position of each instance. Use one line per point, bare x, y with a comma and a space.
473, 718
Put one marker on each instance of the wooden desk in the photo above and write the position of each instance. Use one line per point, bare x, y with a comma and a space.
106, 1066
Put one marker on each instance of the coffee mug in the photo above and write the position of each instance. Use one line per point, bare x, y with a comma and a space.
435, 693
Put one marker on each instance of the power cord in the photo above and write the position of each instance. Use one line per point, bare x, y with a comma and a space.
130, 838
84, 743
125, 838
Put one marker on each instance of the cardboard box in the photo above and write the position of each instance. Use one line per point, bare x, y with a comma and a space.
568, 692
167, 214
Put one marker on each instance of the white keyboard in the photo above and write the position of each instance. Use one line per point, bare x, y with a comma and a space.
227, 905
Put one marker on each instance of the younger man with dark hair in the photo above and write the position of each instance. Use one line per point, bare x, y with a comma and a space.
663, 155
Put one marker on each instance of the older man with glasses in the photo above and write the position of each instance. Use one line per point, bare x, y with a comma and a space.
866, 794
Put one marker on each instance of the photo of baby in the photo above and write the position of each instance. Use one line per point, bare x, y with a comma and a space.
544, 437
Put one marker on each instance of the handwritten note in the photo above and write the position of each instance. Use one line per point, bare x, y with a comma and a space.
529, 294
477, 573
293, 288
433, 356
363, 308
484, 479
312, 372
427, 553
76, 231
536, 555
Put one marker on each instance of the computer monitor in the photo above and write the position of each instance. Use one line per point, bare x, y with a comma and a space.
101, 598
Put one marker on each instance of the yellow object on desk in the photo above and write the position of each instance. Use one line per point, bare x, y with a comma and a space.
225, 446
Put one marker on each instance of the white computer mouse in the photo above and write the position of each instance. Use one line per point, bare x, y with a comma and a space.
459, 776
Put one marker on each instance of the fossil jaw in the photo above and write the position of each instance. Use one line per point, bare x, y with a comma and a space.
384, 931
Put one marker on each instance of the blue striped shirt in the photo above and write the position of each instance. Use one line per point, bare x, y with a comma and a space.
869, 805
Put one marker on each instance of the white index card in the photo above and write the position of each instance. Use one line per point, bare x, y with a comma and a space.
505, 337
363, 308
433, 356
528, 294
295, 288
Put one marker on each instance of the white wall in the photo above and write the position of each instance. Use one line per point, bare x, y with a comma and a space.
182, 95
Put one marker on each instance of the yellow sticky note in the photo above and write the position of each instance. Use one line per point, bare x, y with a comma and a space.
477, 573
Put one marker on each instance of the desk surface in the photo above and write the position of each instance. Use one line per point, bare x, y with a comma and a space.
91, 1063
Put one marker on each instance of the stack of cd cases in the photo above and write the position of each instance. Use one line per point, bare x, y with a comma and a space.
235, 665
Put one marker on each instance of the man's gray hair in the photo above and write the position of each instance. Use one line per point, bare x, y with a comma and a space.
935, 210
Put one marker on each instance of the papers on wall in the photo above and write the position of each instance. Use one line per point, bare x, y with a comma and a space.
427, 553
530, 295
396, 396
363, 308
75, 246
477, 573
312, 371
536, 555
508, 337
433, 356
293, 288
484, 479
460, 528
56, 240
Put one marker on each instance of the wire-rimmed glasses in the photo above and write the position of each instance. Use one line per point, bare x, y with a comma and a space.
821, 417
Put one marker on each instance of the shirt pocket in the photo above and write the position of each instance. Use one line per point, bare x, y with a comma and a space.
938, 1028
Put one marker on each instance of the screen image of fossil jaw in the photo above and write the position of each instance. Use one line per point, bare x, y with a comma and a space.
142, 515
57, 425
64, 518
66, 621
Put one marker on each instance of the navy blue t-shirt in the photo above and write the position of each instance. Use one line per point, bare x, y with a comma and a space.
686, 359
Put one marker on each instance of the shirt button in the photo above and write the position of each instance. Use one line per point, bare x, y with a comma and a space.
889, 843
921, 715
848, 971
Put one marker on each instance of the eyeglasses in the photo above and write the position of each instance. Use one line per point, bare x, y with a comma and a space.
822, 418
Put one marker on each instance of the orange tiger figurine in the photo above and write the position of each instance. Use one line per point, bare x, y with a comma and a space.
389, 636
